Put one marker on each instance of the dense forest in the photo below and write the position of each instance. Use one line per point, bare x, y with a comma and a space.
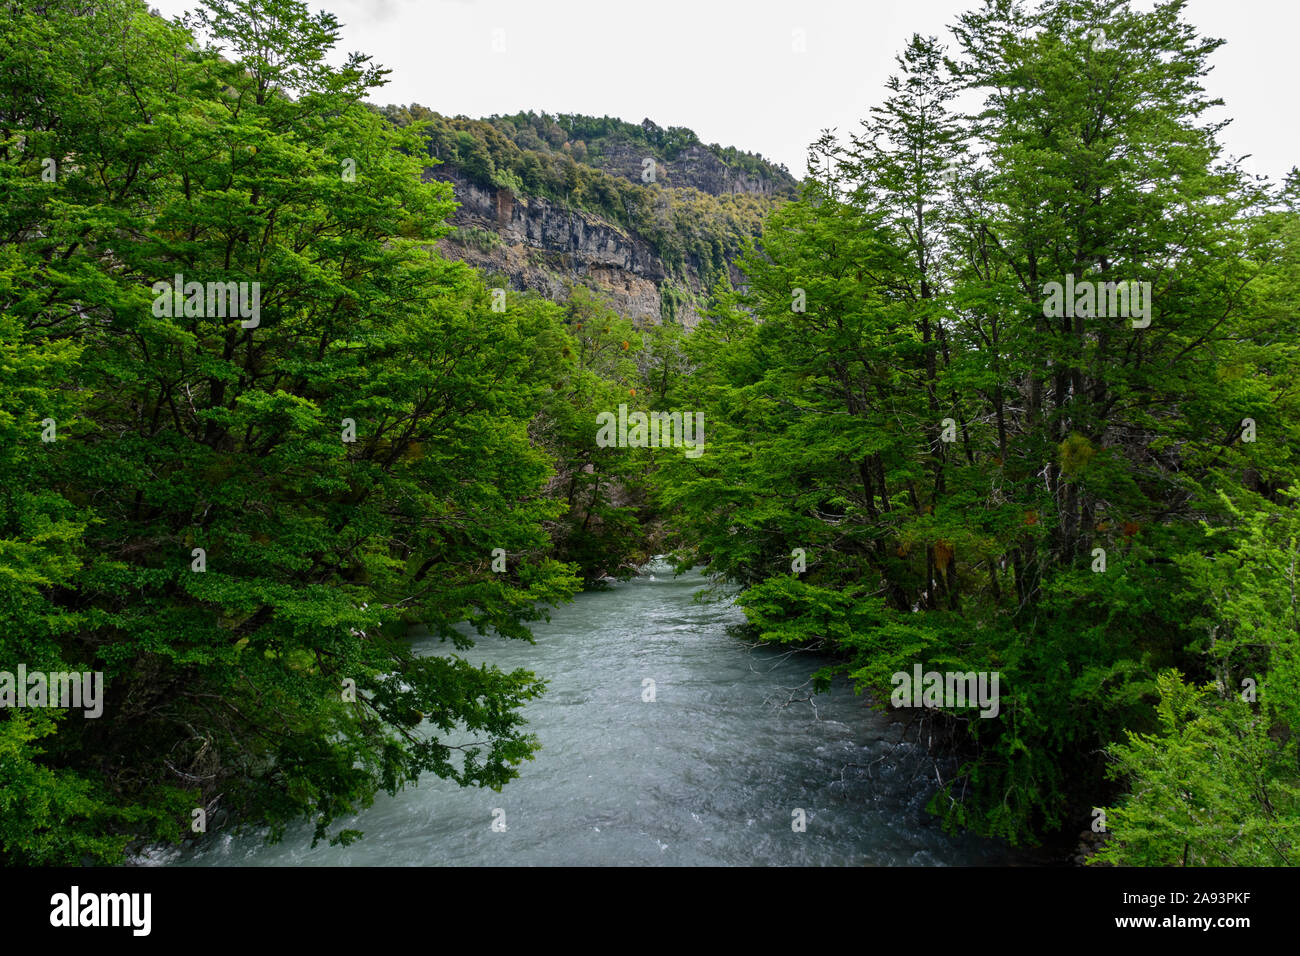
1005, 389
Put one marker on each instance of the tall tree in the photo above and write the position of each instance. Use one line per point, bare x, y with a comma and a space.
269, 488
979, 482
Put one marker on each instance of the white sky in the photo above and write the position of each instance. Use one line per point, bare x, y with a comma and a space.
727, 68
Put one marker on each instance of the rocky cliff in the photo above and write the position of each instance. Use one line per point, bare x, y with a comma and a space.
697, 166
651, 218
537, 244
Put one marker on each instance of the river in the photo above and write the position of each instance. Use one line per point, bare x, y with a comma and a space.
713, 771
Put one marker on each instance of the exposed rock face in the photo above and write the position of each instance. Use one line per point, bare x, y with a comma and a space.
695, 166
542, 245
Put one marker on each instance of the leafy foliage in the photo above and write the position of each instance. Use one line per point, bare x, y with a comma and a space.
228, 684
978, 485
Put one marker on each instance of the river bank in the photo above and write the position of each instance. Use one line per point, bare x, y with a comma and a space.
665, 741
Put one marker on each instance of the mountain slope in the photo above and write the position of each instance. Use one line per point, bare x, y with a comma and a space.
651, 217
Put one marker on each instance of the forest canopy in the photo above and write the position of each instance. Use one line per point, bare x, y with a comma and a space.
1008, 391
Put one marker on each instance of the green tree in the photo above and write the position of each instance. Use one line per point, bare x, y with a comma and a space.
977, 484
272, 680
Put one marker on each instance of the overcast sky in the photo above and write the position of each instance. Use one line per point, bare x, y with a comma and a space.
730, 71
